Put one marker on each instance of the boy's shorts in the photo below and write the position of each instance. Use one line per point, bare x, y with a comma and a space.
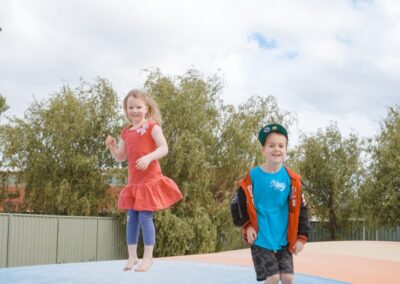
268, 262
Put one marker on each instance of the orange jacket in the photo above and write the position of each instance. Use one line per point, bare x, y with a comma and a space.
298, 225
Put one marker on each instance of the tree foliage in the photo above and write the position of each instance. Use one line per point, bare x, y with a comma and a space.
330, 166
59, 148
211, 145
4, 173
380, 195
3, 104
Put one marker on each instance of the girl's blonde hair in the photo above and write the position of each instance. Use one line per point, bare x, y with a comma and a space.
153, 112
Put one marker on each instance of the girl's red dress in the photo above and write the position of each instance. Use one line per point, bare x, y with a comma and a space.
147, 190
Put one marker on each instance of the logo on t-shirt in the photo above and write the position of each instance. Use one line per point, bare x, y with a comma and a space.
276, 185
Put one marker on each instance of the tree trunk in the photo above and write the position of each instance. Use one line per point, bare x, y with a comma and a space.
332, 219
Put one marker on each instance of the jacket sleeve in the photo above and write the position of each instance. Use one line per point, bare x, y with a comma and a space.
304, 224
247, 224
238, 208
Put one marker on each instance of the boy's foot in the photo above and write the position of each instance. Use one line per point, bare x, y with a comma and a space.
130, 264
145, 264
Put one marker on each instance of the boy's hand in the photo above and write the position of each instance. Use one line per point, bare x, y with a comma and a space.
298, 247
251, 235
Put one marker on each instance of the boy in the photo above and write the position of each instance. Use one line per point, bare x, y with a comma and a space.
278, 224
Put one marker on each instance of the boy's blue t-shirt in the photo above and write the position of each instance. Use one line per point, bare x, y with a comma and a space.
271, 194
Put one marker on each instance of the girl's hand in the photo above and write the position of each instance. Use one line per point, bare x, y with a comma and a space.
111, 143
298, 247
143, 162
251, 235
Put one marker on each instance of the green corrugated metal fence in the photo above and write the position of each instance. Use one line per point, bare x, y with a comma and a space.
45, 239
355, 231
3, 240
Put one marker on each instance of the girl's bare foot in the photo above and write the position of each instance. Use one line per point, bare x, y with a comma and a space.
145, 264
131, 263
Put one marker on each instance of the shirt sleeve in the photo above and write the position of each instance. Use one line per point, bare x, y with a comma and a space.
151, 125
123, 133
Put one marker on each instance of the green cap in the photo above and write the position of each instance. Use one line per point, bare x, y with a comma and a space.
270, 128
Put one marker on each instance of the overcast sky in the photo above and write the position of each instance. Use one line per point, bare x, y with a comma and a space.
324, 60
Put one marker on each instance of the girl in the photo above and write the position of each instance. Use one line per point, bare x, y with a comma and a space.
142, 143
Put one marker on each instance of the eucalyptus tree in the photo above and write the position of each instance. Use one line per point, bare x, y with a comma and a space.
3, 104
211, 145
189, 108
380, 195
330, 166
3, 173
59, 148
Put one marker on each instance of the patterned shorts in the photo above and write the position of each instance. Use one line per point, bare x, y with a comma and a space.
268, 262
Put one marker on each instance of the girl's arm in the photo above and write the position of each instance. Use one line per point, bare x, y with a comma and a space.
119, 152
161, 143
158, 153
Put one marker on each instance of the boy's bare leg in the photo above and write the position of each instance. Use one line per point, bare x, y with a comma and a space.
147, 260
287, 278
132, 259
274, 279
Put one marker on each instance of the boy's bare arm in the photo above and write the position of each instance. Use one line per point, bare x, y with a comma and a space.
251, 235
298, 247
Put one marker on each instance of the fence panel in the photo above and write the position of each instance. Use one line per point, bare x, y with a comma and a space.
111, 242
319, 232
90, 239
355, 231
3, 239
43, 239
32, 240
76, 239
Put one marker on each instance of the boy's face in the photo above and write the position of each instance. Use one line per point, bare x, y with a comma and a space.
274, 149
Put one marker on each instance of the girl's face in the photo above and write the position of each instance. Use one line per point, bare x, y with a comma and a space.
136, 110
274, 149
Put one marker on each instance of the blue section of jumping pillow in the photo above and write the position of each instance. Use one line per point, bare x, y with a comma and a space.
163, 271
